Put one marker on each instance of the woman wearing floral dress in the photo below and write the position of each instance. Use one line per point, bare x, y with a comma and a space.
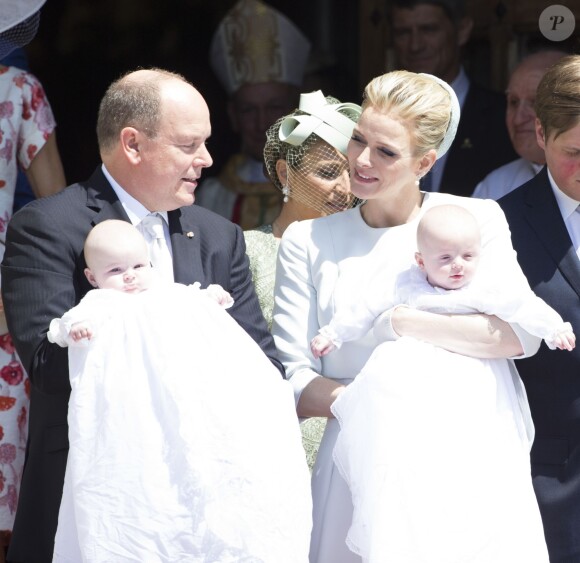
27, 139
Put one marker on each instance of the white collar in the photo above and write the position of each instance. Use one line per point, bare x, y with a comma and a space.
566, 204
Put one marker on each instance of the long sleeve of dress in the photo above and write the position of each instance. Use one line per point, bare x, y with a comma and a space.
352, 323
355, 318
95, 307
523, 307
526, 309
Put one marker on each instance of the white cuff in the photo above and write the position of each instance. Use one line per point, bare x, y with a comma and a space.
58, 332
565, 327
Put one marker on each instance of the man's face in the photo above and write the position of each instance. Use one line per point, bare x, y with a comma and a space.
172, 162
521, 94
426, 40
520, 115
563, 158
254, 107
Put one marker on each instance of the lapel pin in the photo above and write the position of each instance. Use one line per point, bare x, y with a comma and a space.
189, 234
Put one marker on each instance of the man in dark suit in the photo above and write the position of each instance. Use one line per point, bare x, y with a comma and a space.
544, 220
427, 37
152, 130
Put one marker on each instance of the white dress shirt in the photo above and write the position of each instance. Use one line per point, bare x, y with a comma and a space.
506, 178
135, 210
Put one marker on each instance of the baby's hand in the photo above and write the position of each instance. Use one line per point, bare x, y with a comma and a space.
220, 295
80, 330
565, 340
321, 345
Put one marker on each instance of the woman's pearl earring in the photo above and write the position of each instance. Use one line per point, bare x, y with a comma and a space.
286, 192
417, 181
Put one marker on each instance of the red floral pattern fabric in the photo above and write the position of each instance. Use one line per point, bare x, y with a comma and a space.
14, 399
26, 122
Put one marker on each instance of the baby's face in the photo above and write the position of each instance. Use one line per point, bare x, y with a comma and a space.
451, 263
122, 269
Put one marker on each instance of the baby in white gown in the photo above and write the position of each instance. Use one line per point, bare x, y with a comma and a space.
167, 427
435, 445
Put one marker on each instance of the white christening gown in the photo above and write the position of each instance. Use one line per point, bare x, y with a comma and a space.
435, 445
184, 440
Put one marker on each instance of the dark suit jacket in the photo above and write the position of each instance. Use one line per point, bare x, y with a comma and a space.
551, 377
42, 278
481, 144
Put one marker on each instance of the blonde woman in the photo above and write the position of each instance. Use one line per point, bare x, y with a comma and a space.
408, 121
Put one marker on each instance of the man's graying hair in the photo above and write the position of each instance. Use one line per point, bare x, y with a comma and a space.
132, 102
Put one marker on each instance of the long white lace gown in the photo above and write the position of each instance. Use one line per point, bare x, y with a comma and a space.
471, 420
320, 266
433, 446
167, 460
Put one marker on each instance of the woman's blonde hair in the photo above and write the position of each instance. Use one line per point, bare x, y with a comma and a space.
416, 99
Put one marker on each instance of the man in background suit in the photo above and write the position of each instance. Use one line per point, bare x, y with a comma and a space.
152, 129
544, 219
428, 36
520, 120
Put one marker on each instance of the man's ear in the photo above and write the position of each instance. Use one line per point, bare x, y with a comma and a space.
419, 260
540, 137
130, 139
282, 171
464, 29
91, 278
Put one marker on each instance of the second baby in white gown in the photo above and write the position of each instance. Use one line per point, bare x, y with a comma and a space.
435, 445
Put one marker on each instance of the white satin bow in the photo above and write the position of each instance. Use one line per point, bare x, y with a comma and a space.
321, 118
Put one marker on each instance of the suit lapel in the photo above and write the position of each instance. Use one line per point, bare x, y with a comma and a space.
185, 243
544, 217
103, 200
